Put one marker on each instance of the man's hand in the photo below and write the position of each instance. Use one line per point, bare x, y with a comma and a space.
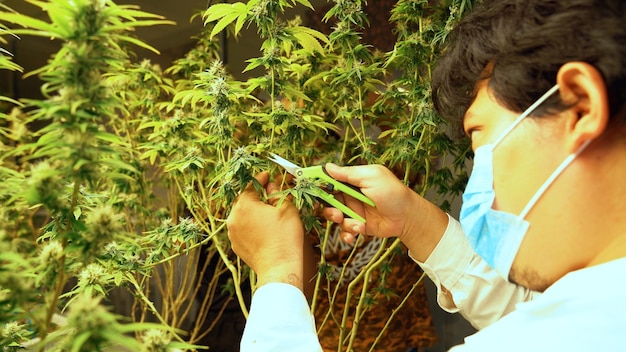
269, 238
398, 212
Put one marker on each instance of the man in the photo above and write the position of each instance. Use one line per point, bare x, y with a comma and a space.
537, 260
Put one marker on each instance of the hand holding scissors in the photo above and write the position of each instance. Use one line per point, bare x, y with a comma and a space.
318, 172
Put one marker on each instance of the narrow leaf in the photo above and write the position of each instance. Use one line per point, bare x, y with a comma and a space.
225, 21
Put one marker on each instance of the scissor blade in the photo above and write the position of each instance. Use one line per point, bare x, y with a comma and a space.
286, 164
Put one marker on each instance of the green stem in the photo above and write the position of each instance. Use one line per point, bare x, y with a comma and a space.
395, 311
149, 304
203, 242
253, 281
62, 279
356, 133
463, 4
344, 145
341, 278
351, 286
362, 119
223, 255
272, 100
322, 262
234, 273
368, 272
407, 173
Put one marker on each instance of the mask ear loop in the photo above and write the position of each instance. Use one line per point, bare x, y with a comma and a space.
525, 114
551, 179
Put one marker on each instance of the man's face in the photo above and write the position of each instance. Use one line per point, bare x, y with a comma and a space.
522, 162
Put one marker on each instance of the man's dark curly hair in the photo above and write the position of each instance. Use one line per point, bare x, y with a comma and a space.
524, 43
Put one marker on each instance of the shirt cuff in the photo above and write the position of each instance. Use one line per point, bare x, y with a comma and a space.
279, 316
448, 262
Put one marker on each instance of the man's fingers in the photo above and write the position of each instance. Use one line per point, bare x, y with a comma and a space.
348, 237
337, 216
350, 229
273, 197
361, 176
354, 175
274, 188
262, 177
353, 226
333, 214
339, 173
249, 192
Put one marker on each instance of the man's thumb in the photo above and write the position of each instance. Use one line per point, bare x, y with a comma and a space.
250, 192
346, 174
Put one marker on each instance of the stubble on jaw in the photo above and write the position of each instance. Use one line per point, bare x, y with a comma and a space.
529, 278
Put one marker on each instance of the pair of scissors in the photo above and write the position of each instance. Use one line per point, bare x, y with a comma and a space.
331, 185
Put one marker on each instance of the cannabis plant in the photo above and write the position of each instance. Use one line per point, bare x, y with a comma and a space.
321, 98
79, 219
174, 144
74, 198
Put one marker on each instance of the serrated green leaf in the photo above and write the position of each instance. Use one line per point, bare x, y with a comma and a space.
109, 137
79, 341
297, 93
60, 17
253, 63
151, 155
12, 101
239, 25
119, 164
305, 3
130, 25
308, 42
384, 134
118, 176
28, 22
118, 278
223, 22
139, 43
312, 32
216, 12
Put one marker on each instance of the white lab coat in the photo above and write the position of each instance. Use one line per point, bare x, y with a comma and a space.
583, 311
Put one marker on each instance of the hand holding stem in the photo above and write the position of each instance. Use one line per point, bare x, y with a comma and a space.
268, 237
399, 212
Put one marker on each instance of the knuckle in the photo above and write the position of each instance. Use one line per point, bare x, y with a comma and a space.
379, 169
232, 224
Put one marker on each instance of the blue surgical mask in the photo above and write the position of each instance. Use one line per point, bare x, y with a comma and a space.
496, 235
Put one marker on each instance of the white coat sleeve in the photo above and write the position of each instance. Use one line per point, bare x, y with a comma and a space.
280, 320
477, 291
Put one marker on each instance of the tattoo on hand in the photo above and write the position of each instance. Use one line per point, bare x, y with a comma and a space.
293, 279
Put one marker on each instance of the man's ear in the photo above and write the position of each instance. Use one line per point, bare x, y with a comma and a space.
582, 87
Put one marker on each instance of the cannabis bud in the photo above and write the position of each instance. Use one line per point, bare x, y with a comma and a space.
95, 276
156, 340
51, 252
44, 185
86, 313
102, 224
12, 335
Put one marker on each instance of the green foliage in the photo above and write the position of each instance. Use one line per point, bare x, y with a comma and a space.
78, 203
70, 190
327, 98
6, 63
5, 56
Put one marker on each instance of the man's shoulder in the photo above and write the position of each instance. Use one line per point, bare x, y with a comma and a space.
584, 310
